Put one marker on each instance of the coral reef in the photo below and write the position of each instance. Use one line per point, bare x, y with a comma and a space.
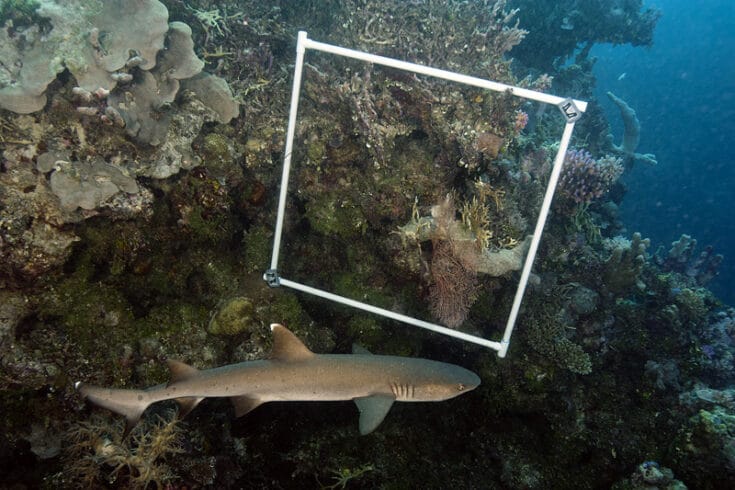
584, 179
97, 453
136, 219
451, 35
680, 258
557, 28
625, 263
631, 134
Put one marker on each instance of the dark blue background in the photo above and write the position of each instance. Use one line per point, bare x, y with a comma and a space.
683, 89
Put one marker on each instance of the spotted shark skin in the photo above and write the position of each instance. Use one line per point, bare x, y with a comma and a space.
295, 373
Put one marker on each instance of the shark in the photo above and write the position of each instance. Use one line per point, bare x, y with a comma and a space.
295, 373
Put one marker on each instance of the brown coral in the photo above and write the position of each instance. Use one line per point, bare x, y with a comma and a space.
454, 286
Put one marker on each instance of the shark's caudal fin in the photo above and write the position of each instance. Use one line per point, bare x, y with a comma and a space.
129, 403
132, 403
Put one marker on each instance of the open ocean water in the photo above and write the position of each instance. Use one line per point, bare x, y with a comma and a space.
683, 89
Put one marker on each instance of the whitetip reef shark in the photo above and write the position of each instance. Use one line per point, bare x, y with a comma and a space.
295, 373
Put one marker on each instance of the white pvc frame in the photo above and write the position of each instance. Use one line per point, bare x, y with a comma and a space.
571, 109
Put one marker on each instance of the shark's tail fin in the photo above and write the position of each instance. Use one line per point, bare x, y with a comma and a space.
129, 403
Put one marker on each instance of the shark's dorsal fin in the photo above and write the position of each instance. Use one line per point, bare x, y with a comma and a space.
244, 404
287, 346
358, 349
180, 370
373, 410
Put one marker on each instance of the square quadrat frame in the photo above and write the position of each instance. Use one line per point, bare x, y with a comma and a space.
571, 110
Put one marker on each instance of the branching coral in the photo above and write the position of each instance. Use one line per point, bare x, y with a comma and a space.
548, 336
681, 258
584, 179
457, 35
631, 134
96, 453
625, 263
459, 253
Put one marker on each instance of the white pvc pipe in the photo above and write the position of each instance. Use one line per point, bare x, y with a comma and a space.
295, 91
502, 347
531, 256
437, 73
390, 314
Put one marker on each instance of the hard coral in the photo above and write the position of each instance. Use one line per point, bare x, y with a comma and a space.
584, 179
35, 55
625, 263
96, 452
115, 52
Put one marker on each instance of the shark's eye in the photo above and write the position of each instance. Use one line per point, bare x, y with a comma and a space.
461, 387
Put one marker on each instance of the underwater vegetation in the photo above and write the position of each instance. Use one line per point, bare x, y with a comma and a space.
141, 144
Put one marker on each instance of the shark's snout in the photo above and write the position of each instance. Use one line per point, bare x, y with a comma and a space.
467, 380
473, 380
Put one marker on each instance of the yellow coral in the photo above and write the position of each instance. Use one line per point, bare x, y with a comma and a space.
486, 191
95, 446
475, 217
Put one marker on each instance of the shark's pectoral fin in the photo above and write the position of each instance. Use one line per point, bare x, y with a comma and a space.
373, 410
244, 404
187, 404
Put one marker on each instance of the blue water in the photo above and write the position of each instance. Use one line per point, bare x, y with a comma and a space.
683, 89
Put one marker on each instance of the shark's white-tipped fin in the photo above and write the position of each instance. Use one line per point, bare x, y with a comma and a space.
187, 404
373, 410
244, 404
287, 346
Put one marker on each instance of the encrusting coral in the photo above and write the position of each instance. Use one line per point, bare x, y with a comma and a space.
123, 74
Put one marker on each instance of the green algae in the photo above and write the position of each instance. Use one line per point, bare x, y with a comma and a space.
232, 317
216, 151
335, 215
257, 243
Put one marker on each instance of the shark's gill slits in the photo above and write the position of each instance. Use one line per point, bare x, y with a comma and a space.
403, 391
286, 376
